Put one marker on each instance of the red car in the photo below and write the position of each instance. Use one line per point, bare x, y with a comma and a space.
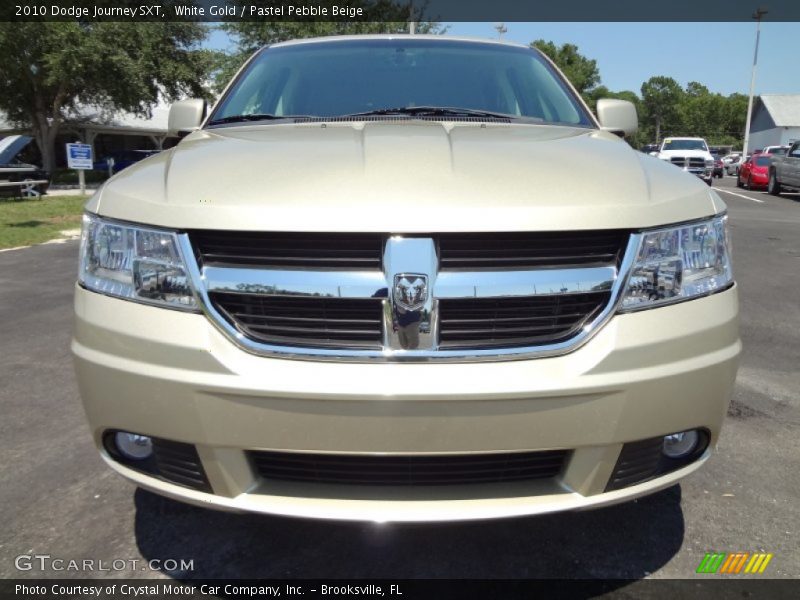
754, 172
718, 167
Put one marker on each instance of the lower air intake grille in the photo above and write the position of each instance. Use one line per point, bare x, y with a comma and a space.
304, 322
175, 462
643, 460
476, 323
638, 462
408, 470
179, 463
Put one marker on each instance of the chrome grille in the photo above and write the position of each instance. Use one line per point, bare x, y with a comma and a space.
473, 296
511, 322
324, 322
690, 162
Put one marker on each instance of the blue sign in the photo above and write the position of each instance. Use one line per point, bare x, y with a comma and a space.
79, 156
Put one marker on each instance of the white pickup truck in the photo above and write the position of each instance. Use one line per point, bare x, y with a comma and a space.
691, 154
784, 172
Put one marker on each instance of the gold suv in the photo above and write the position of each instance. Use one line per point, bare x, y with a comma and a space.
404, 278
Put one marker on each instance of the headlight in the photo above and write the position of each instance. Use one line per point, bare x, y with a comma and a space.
678, 263
134, 263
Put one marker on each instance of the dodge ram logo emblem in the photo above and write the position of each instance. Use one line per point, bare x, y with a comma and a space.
410, 290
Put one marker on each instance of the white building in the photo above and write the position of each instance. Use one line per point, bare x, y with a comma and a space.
775, 121
108, 134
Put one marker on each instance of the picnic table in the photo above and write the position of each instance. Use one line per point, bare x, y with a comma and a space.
25, 188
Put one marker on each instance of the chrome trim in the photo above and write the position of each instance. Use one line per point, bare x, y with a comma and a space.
455, 283
330, 284
375, 284
546, 282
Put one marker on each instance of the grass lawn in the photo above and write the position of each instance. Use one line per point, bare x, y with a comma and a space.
32, 221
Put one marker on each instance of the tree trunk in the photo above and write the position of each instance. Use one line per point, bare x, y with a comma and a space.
658, 129
45, 133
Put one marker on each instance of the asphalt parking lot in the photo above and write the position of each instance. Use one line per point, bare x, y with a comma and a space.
59, 499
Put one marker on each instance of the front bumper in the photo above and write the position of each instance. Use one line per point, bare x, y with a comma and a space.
173, 375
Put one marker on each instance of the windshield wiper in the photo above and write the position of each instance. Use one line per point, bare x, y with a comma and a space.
254, 117
436, 111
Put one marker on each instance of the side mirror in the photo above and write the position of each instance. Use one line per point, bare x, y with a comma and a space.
617, 116
186, 115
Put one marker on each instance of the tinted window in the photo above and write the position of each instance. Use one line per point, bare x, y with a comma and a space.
762, 161
344, 77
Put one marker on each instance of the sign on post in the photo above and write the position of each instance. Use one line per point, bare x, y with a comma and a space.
79, 157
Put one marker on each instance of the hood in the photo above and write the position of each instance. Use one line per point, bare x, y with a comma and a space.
12, 145
403, 177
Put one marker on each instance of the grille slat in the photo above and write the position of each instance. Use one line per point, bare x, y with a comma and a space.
479, 320
299, 331
306, 319
408, 470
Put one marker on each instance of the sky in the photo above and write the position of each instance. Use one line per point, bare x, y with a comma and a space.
718, 55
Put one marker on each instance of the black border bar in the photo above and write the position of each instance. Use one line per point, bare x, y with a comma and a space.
709, 587
422, 10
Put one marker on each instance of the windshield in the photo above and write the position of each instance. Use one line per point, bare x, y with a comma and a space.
684, 145
762, 161
337, 78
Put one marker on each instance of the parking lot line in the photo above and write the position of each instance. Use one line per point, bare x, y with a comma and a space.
740, 195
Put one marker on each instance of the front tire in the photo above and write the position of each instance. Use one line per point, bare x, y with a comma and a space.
739, 183
773, 187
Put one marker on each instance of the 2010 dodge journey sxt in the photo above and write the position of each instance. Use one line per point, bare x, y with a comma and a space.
404, 278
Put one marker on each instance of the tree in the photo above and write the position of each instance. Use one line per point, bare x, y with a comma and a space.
581, 71
660, 99
50, 68
735, 114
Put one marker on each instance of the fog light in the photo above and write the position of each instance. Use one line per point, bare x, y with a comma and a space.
133, 445
680, 445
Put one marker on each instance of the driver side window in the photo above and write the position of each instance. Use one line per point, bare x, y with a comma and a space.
794, 151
